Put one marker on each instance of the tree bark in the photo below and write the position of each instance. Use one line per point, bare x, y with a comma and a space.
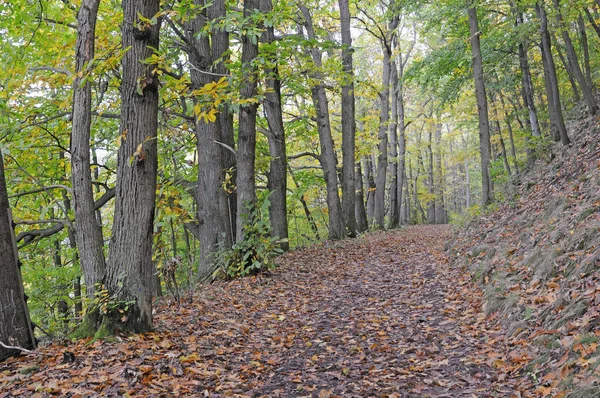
246, 159
526, 77
482, 107
277, 183
382, 136
583, 39
15, 325
588, 94
88, 233
569, 69
440, 208
431, 202
131, 271
214, 218
348, 123
370, 184
393, 147
554, 103
327, 158
359, 205
219, 46
592, 21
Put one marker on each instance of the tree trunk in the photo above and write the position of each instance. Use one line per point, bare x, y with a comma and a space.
327, 158
592, 21
348, 123
370, 183
440, 208
214, 218
131, 271
430, 180
219, 45
526, 77
246, 190
359, 205
88, 233
382, 136
394, 216
588, 94
554, 103
569, 69
277, 183
482, 107
508, 120
15, 325
586, 51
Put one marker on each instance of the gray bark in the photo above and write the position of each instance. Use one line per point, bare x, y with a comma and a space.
394, 209
431, 205
588, 95
278, 167
569, 69
246, 159
526, 77
131, 271
88, 232
590, 18
219, 45
586, 51
348, 124
482, 107
440, 208
382, 136
15, 325
327, 158
359, 205
554, 104
214, 218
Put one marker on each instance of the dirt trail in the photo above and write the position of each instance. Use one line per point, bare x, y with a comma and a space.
383, 315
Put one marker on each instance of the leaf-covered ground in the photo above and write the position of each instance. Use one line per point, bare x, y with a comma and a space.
384, 315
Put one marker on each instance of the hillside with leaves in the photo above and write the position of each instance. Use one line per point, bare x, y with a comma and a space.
538, 259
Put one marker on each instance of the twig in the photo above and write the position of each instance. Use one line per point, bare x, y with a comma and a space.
13, 347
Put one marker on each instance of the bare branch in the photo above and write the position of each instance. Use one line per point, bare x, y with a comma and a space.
302, 154
43, 189
52, 69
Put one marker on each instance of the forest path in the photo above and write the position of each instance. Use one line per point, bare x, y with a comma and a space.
383, 315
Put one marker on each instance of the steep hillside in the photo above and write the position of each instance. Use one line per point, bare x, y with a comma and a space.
538, 261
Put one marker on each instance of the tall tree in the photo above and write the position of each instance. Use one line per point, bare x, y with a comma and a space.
246, 187
214, 217
526, 74
88, 233
277, 182
15, 326
327, 157
559, 131
131, 271
386, 38
482, 106
588, 94
348, 123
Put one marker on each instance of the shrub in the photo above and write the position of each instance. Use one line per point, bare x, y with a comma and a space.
255, 252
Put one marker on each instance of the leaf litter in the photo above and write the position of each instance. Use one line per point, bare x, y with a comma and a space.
385, 315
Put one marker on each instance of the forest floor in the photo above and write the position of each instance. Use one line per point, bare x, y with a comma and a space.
383, 315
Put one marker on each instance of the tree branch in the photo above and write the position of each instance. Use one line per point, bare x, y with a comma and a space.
302, 154
43, 189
